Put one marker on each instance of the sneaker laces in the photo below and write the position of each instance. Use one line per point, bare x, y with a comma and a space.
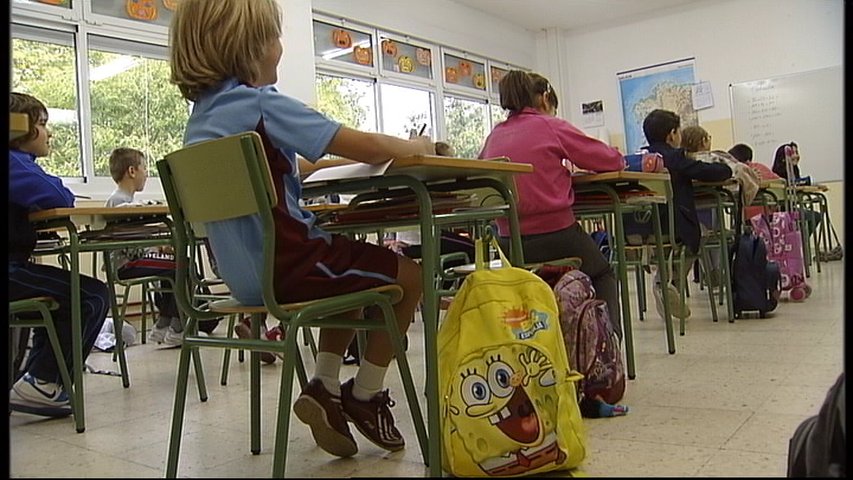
384, 403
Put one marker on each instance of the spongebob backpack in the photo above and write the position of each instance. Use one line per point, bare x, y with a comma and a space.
506, 390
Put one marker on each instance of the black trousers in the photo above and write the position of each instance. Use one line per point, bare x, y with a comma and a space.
28, 280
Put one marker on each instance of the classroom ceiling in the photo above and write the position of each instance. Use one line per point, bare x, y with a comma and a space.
571, 14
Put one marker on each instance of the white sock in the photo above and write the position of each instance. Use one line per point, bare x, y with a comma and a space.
368, 381
328, 369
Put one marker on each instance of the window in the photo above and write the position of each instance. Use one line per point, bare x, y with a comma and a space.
464, 72
133, 104
344, 46
467, 124
498, 114
158, 12
43, 66
405, 109
350, 101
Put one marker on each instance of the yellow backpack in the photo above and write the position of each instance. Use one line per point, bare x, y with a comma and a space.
507, 393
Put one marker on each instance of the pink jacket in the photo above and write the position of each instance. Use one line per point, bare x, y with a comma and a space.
545, 197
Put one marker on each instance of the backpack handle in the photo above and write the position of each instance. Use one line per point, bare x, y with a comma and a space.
479, 249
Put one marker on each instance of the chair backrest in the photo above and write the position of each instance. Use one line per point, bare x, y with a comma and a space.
215, 180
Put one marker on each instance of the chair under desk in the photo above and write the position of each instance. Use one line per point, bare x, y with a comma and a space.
87, 230
420, 175
610, 184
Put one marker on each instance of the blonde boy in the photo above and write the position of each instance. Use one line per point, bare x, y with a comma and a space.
224, 58
129, 171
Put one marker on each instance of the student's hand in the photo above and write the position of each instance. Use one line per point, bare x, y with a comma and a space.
424, 144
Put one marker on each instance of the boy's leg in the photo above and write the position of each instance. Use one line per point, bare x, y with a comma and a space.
350, 266
33, 280
364, 401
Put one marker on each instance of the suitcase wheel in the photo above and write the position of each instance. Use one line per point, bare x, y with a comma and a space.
798, 294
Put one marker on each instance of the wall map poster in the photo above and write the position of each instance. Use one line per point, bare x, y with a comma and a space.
667, 86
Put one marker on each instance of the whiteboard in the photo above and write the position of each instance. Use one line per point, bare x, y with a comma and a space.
806, 108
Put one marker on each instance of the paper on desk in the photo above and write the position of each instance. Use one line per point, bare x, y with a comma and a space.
355, 170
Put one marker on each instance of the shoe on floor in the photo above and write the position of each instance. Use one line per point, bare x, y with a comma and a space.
677, 308
372, 418
322, 412
47, 399
158, 334
173, 338
243, 330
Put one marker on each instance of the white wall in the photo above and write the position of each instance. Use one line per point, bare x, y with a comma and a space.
443, 22
296, 68
731, 40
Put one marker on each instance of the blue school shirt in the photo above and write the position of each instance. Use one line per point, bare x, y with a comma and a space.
286, 126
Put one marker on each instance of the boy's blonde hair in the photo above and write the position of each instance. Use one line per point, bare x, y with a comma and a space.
213, 40
692, 138
123, 158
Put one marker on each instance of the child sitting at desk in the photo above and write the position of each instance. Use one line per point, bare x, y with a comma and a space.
130, 172
549, 230
39, 391
233, 92
662, 129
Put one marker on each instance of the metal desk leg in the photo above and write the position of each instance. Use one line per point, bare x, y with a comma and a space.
663, 276
76, 330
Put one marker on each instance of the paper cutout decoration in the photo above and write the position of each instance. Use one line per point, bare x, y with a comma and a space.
406, 64
479, 81
389, 48
464, 68
341, 38
52, 2
423, 56
497, 75
171, 4
142, 10
451, 75
362, 55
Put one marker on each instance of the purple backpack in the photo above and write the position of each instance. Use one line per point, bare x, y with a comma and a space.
591, 343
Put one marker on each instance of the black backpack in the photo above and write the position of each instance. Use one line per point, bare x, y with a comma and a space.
818, 447
756, 282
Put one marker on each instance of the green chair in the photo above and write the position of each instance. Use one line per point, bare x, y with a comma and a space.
228, 178
42, 306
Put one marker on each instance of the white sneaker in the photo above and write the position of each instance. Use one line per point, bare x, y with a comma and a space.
173, 338
157, 334
31, 395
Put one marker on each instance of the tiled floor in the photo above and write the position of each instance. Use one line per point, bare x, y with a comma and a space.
724, 405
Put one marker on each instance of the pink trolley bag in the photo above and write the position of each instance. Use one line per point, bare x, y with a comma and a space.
784, 244
784, 241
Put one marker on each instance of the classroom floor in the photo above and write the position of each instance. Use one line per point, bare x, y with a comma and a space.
724, 405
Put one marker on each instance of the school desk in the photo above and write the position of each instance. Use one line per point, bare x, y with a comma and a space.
88, 230
420, 175
612, 184
811, 196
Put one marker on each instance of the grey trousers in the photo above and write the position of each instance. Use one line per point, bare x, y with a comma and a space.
575, 242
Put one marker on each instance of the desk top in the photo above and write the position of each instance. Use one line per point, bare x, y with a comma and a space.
91, 212
622, 175
18, 125
429, 168
817, 188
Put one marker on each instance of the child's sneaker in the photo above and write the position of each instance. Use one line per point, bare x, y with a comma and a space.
34, 396
173, 338
158, 334
243, 329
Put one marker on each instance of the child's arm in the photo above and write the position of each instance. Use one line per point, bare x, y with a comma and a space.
696, 170
368, 147
587, 152
33, 188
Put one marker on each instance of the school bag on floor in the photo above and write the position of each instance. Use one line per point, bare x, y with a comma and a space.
506, 391
755, 280
784, 244
592, 344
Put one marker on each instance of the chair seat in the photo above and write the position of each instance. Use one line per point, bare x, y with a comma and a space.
232, 306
